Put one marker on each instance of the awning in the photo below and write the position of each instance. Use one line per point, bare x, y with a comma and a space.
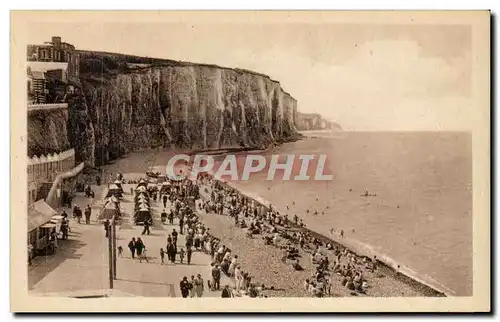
38, 214
58, 217
48, 226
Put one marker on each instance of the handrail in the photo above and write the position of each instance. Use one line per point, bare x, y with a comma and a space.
73, 172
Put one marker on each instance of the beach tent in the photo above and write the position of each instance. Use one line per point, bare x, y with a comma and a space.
141, 206
142, 197
112, 198
142, 192
152, 186
165, 187
114, 191
118, 183
108, 212
142, 183
140, 189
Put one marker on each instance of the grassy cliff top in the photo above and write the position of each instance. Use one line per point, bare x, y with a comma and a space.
99, 62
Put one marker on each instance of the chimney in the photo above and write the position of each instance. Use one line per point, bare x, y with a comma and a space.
56, 40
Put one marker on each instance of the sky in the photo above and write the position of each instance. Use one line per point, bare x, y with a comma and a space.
362, 76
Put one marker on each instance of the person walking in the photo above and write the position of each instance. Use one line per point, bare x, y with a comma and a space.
174, 237
184, 286
199, 286
131, 247
88, 213
191, 289
181, 224
216, 277
162, 256
147, 223
189, 253
106, 227
139, 247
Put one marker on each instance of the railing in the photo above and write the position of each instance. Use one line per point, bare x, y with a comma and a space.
39, 107
46, 168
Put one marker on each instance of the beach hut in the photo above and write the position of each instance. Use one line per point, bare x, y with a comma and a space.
165, 187
108, 212
114, 190
141, 215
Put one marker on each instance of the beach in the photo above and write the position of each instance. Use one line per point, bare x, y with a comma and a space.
431, 188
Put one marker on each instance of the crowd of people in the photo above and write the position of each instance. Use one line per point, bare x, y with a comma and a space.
346, 268
332, 263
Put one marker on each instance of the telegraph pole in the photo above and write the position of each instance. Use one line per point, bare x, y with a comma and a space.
114, 248
110, 253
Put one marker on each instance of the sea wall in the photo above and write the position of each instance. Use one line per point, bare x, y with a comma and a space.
118, 109
47, 130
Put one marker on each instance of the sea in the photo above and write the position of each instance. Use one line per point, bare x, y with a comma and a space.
420, 214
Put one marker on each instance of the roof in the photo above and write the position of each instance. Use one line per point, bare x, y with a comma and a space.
38, 214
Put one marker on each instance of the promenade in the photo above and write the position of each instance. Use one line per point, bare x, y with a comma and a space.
81, 265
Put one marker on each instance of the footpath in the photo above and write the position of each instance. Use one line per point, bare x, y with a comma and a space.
80, 267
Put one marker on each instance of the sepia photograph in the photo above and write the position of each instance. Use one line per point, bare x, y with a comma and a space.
286, 161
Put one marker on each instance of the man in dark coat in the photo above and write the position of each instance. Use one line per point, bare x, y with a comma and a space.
181, 224
171, 252
88, 213
106, 227
174, 237
185, 287
216, 277
189, 253
131, 246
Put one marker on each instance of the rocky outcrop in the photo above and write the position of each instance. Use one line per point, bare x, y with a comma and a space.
313, 121
47, 131
117, 109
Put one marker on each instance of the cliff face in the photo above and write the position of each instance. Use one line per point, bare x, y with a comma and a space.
313, 121
47, 131
179, 105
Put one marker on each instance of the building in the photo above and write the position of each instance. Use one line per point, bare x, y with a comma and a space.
37, 87
43, 172
57, 51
